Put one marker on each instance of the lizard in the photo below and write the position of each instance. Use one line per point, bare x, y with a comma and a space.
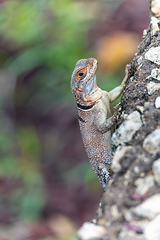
94, 114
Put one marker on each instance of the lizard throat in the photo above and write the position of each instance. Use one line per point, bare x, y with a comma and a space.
94, 96
87, 102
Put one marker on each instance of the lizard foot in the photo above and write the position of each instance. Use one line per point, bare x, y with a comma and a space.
104, 174
117, 111
117, 108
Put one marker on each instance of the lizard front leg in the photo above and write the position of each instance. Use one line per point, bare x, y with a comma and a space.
116, 92
103, 124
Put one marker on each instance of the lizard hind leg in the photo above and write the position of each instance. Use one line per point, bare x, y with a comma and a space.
104, 174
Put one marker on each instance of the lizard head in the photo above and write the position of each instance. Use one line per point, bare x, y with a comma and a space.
83, 82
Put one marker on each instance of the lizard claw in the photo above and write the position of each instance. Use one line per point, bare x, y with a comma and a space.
118, 107
117, 110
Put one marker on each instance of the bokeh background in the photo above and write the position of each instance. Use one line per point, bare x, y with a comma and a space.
47, 186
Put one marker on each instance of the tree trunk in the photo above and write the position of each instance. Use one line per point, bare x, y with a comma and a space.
130, 208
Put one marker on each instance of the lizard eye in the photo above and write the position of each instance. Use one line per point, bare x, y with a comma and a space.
81, 74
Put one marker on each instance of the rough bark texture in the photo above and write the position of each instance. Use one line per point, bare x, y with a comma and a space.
136, 143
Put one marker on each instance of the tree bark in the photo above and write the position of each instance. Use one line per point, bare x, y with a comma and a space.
129, 208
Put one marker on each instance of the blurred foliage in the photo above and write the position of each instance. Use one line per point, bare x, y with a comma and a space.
50, 36
82, 173
45, 33
61, 238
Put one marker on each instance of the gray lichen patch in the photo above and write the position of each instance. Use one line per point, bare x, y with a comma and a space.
90, 231
152, 229
119, 154
156, 171
157, 102
153, 55
127, 129
155, 7
151, 143
149, 208
155, 27
152, 87
144, 184
155, 73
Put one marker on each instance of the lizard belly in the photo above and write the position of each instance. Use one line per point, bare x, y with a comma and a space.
97, 145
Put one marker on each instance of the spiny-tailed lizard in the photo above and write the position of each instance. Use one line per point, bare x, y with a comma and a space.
94, 115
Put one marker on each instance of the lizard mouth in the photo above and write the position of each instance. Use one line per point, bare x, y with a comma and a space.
79, 90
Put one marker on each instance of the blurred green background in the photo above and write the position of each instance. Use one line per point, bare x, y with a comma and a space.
47, 186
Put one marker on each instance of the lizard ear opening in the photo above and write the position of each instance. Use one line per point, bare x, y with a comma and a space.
81, 73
